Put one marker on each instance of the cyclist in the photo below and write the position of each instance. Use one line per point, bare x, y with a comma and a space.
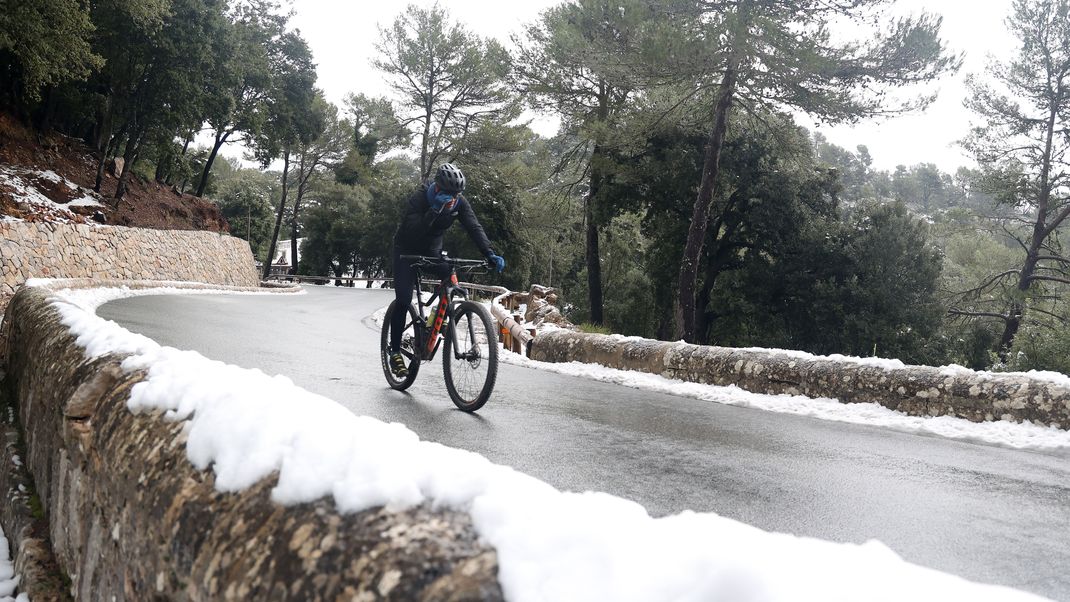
429, 211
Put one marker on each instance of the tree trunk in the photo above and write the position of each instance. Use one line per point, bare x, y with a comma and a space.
170, 178
594, 257
133, 148
105, 151
302, 179
220, 140
719, 254
100, 168
103, 133
425, 169
1017, 308
594, 267
111, 147
161, 169
278, 217
696, 235
45, 122
1041, 231
703, 316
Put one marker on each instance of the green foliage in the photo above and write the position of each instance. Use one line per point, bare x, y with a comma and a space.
579, 60
808, 246
594, 328
1040, 347
290, 118
334, 229
449, 81
45, 43
629, 302
858, 287
771, 56
376, 129
350, 229
495, 200
1022, 148
245, 201
788, 56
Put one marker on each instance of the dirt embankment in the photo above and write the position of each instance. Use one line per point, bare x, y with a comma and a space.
30, 163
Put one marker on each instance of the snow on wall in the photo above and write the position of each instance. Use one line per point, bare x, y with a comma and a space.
133, 518
1041, 398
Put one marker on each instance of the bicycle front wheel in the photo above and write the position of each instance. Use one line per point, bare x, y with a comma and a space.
410, 345
470, 357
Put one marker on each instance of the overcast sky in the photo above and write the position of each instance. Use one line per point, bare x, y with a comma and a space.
342, 36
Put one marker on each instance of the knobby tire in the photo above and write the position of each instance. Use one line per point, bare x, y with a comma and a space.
470, 379
409, 343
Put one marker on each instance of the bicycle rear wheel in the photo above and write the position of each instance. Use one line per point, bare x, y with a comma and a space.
410, 343
470, 357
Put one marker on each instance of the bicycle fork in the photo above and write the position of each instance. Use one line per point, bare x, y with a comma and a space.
472, 352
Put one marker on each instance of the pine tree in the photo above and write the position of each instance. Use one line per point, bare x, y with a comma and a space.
1023, 147
781, 54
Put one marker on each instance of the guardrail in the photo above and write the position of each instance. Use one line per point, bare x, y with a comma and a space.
511, 334
299, 278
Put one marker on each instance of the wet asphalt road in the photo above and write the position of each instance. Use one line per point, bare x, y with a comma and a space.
988, 514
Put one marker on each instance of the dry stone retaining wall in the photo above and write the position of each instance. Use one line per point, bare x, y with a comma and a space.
48, 250
132, 519
915, 390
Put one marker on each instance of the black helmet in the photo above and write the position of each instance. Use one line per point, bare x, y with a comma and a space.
449, 178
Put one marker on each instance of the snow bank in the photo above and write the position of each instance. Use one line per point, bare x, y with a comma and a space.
551, 545
9, 581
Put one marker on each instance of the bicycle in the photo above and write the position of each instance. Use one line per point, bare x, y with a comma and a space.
470, 364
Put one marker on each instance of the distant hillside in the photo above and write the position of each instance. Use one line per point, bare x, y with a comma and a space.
50, 177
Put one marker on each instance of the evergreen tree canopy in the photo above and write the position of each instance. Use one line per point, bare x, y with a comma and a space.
449, 82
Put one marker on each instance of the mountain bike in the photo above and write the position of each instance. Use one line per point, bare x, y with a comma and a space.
470, 360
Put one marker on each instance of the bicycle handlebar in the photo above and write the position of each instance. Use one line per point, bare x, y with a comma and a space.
430, 260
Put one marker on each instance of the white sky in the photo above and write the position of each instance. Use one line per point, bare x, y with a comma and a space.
342, 36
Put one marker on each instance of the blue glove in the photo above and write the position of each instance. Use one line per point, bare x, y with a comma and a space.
497, 260
443, 201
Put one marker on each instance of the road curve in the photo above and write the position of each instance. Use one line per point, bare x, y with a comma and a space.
985, 513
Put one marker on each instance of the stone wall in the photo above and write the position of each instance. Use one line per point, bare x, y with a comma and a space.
132, 519
914, 390
47, 250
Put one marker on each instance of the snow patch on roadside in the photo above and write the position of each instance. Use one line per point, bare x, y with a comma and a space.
9, 581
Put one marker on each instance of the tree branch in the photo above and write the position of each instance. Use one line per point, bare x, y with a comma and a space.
976, 314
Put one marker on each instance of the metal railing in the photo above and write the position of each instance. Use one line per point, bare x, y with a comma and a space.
511, 334
324, 279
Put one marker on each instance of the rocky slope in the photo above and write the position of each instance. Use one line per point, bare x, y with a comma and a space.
50, 178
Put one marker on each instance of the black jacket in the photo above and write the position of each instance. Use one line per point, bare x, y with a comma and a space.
422, 228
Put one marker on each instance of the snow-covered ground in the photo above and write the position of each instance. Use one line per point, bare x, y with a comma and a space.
551, 545
9, 581
30, 199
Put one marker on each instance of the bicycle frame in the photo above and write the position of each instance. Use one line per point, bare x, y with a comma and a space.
446, 293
